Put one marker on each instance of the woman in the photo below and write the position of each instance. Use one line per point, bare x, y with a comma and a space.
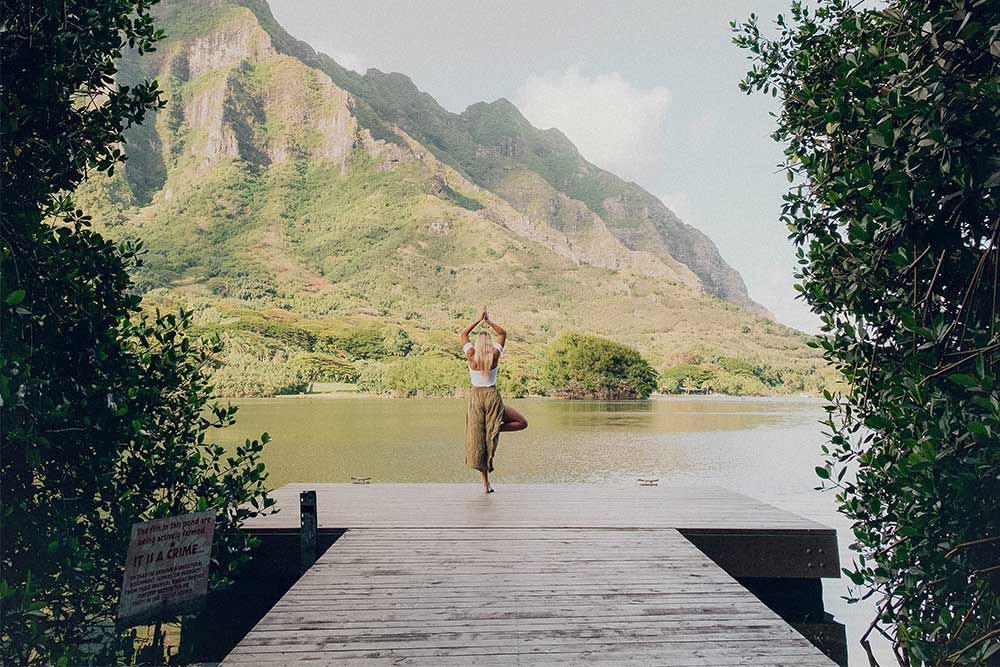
487, 416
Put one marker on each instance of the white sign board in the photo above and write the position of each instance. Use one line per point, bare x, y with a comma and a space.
166, 569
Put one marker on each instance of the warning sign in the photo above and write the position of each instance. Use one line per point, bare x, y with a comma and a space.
166, 569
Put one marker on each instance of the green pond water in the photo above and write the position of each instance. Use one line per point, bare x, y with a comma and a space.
765, 448
737, 443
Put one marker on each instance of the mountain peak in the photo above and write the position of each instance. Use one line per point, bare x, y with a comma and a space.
345, 158
501, 104
401, 82
291, 202
495, 147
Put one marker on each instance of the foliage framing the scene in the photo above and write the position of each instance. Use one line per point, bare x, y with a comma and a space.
104, 410
889, 118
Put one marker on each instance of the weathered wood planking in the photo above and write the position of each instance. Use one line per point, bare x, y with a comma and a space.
544, 596
532, 506
747, 537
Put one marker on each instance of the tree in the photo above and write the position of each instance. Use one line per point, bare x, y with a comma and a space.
397, 342
889, 120
104, 409
580, 366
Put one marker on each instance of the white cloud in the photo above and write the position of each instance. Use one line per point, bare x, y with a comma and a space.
614, 124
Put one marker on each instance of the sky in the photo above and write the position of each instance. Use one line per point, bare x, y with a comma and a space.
646, 89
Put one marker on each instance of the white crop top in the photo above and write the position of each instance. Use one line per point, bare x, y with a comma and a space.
483, 378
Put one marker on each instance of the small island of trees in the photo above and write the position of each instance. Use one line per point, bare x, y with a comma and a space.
581, 366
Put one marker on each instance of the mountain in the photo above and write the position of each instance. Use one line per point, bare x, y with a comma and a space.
539, 172
279, 189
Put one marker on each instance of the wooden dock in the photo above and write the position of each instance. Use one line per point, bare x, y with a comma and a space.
539, 574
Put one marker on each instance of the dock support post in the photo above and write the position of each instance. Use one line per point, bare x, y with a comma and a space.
307, 531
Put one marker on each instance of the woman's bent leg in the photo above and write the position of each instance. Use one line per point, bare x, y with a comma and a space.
513, 420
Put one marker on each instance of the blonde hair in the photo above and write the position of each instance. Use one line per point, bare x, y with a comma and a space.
484, 351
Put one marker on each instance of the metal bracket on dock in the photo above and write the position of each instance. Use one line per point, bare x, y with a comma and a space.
360, 480
648, 482
307, 530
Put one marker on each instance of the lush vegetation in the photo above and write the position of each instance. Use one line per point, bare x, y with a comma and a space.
104, 409
733, 377
581, 366
274, 245
425, 375
273, 352
889, 117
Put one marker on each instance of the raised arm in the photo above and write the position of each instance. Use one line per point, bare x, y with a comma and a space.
467, 330
501, 332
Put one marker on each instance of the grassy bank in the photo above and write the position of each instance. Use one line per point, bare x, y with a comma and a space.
275, 352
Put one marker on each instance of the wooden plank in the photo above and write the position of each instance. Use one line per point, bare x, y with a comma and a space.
507, 597
775, 654
747, 538
531, 506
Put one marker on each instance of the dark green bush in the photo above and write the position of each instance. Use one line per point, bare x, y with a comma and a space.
676, 379
581, 366
889, 119
396, 342
423, 375
319, 367
288, 334
105, 412
358, 344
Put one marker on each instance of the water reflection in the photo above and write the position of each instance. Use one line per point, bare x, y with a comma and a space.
317, 439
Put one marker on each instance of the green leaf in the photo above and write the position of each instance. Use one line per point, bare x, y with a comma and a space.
822, 473
963, 380
875, 138
876, 422
979, 428
15, 297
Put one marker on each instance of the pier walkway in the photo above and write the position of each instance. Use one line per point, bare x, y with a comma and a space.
539, 574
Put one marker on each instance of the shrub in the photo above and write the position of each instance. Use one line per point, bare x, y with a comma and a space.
247, 286
518, 377
105, 411
246, 375
676, 379
423, 375
318, 367
357, 345
396, 342
889, 117
763, 374
288, 334
581, 366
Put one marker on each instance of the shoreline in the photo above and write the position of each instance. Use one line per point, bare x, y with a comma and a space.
345, 395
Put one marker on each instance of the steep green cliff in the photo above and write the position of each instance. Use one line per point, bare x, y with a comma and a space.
280, 189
